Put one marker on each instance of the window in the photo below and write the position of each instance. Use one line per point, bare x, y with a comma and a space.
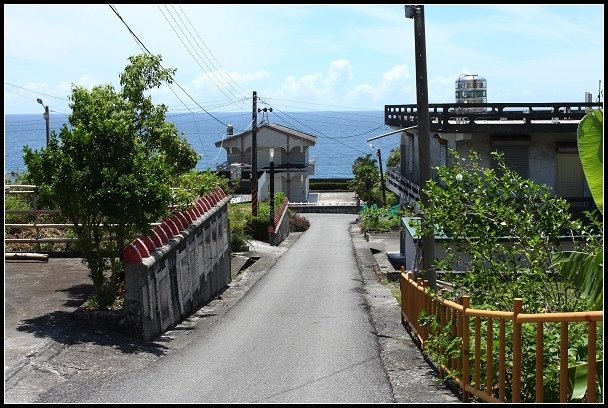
443, 152
515, 153
410, 153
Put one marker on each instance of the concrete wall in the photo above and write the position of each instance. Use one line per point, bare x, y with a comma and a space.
410, 241
183, 265
281, 223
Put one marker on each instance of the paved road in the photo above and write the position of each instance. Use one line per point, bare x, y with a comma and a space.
307, 322
301, 334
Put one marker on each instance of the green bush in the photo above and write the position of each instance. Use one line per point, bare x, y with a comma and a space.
380, 219
329, 184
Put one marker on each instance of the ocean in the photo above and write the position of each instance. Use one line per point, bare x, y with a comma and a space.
341, 136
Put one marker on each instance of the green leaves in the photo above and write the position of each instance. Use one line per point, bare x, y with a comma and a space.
113, 166
502, 229
577, 379
590, 135
585, 270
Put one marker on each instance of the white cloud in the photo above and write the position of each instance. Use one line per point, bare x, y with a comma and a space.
340, 72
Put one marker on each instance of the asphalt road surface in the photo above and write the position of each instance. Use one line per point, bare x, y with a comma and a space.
302, 334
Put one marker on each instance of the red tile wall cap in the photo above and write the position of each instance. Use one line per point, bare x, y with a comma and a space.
149, 242
194, 211
182, 218
168, 231
156, 238
131, 255
172, 226
187, 217
141, 247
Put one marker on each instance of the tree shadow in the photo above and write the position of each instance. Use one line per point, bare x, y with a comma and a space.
81, 326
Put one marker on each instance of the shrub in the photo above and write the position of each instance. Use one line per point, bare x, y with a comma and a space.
297, 223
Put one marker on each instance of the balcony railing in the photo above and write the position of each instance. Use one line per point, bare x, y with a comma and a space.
493, 117
306, 168
407, 190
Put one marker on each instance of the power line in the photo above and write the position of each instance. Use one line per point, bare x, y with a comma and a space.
222, 70
316, 131
177, 83
36, 92
187, 49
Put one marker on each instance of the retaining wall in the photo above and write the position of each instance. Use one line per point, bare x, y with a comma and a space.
280, 229
181, 266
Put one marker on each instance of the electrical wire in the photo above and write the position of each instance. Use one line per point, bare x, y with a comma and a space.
175, 81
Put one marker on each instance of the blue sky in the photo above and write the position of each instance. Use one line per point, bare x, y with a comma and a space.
303, 57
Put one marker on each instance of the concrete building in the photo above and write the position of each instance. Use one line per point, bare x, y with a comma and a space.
538, 140
292, 165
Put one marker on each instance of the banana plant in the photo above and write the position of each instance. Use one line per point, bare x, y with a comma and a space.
586, 269
590, 138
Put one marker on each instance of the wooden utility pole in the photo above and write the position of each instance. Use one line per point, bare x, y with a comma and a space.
254, 157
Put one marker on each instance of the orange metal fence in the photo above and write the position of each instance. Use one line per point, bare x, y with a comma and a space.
505, 374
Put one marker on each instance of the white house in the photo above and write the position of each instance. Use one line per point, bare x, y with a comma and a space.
292, 165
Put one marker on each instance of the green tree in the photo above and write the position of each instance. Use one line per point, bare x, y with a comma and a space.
366, 176
394, 157
109, 171
590, 138
504, 229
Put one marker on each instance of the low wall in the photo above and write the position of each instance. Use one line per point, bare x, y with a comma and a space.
183, 265
281, 225
334, 209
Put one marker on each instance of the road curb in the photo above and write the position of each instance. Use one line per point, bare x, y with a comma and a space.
412, 378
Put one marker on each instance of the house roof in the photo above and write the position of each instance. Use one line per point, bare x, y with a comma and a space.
276, 127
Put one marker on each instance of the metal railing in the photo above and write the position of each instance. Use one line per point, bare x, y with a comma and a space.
493, 117
406, 190
505, 375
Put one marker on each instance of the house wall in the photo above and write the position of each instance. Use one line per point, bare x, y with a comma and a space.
542, 153
298, 188
287, 149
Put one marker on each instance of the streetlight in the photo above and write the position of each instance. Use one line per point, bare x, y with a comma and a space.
271, 228
46, 118
381, 175
416, 12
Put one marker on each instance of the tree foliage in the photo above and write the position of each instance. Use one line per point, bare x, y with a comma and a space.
365, 176
504, 229
394, 157
506, 232
586, 267
109, 171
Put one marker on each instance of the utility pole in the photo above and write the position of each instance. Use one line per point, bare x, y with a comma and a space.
428, 239
381, 175
254, 157
46, 116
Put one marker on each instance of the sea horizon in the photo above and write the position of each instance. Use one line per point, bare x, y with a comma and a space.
341, 136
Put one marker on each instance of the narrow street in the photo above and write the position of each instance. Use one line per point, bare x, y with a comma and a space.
301, 334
